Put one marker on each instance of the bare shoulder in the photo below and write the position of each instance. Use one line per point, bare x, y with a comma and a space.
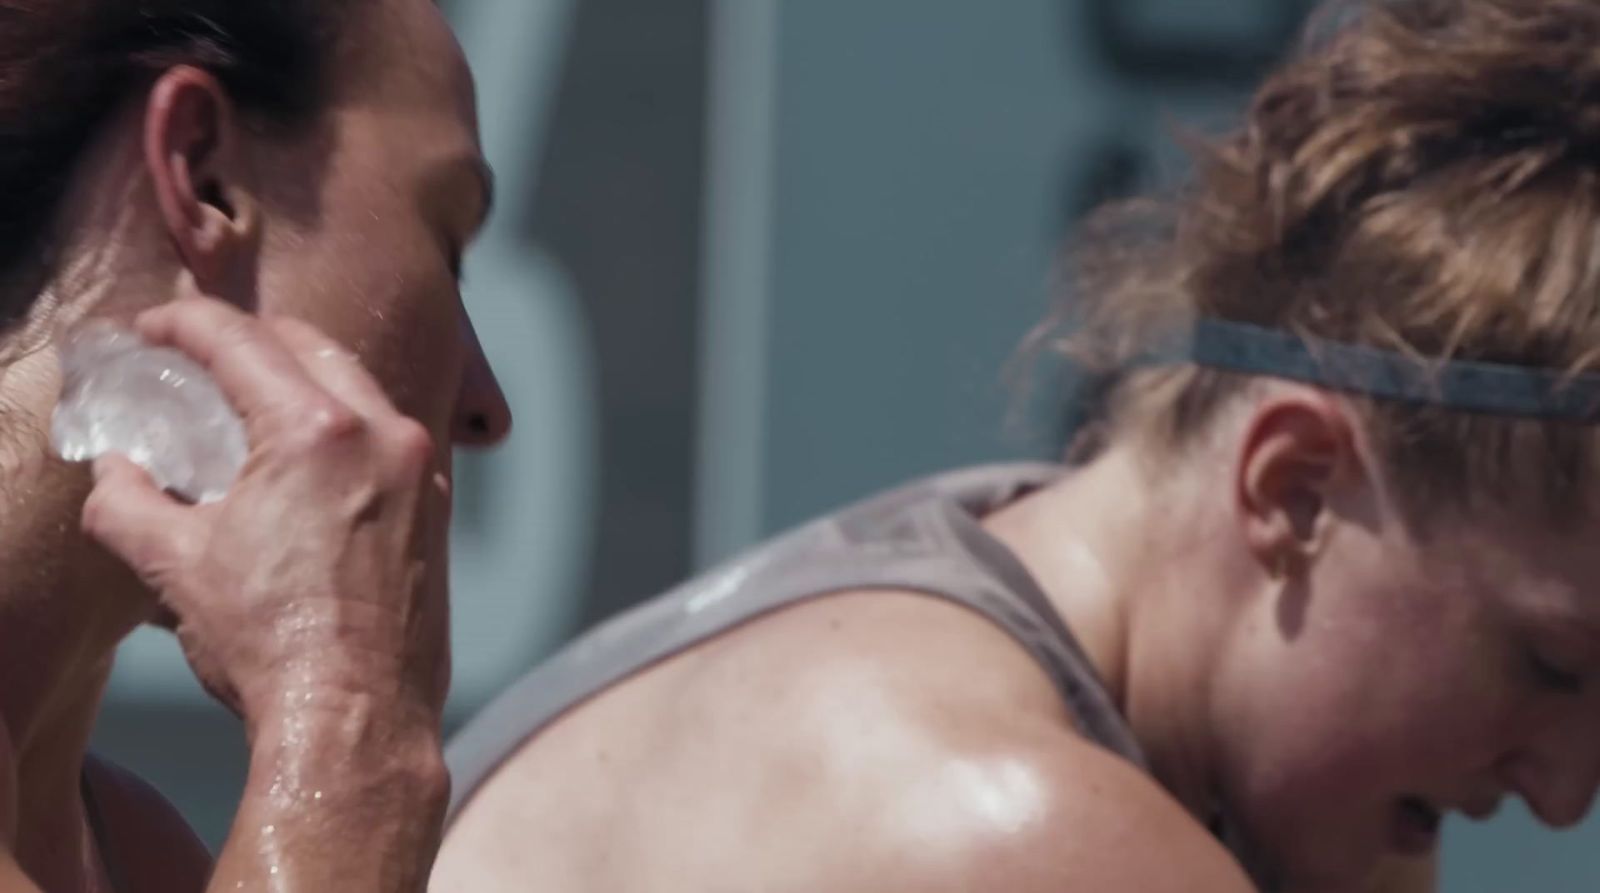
1023, 808
1098, 823
150, 843
930, 752
876, 741
942, 759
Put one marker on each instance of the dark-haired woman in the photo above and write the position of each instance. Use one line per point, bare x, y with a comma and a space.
1324, 574
172, 164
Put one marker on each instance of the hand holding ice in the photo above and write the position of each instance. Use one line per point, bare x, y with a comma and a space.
154, 405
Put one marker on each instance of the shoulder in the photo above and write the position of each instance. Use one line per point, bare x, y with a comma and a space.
1109, 826
1012, 803
876, 741
933, 755
150, 842
1046, 813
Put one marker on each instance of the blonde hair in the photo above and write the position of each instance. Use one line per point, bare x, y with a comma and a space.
1423, 176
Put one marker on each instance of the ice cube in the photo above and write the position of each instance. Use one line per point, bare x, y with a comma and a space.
152, 404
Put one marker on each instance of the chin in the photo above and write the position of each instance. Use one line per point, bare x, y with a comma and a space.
1326, 880
1314, 862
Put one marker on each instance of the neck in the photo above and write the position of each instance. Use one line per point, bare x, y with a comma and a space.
64, 606
65, 603
1131, 565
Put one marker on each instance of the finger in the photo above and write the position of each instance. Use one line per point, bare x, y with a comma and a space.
435, 606
333, 367
254, 369
129, 515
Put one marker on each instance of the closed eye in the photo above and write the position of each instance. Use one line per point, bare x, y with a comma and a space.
1553, 678
458, 193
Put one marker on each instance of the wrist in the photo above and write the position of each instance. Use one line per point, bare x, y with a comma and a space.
374, 682
341, 771
351, 743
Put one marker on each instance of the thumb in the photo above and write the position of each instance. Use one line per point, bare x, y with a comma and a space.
129, 515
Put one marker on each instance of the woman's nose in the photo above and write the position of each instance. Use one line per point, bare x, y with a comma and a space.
482, 416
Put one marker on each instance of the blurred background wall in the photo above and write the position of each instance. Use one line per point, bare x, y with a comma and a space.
755, 258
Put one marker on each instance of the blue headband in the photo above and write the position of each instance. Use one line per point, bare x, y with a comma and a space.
1463, 386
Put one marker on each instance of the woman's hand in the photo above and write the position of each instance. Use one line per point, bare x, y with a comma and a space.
322, 572
312, 600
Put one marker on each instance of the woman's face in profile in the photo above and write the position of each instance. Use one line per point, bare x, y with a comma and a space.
1406, 677
403, 192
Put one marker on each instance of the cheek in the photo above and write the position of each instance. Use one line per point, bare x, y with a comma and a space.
1405, 655
384, 293
1383, 690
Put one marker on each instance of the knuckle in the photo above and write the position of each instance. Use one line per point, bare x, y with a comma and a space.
327, 424
295, 330
98, 511
240, 330
283, 326
411, 445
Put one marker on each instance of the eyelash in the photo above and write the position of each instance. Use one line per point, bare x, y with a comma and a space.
1552, 678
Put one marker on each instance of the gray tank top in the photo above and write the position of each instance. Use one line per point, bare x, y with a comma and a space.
924, 538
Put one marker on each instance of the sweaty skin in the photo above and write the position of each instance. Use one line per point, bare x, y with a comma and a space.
342, 699
889, 741
837, 746
311, 601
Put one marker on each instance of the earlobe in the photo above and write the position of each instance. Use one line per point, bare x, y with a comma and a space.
190, 150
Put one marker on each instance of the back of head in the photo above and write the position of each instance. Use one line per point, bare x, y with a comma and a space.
1423, 176
66, 65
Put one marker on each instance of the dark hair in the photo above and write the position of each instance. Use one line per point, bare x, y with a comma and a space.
1423, 176
65, 65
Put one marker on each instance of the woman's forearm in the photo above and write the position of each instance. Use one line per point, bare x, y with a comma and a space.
346, 799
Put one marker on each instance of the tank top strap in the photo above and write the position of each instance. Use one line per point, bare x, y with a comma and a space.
925, 538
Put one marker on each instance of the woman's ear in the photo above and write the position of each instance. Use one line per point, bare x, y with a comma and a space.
192, 155
1298, 445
